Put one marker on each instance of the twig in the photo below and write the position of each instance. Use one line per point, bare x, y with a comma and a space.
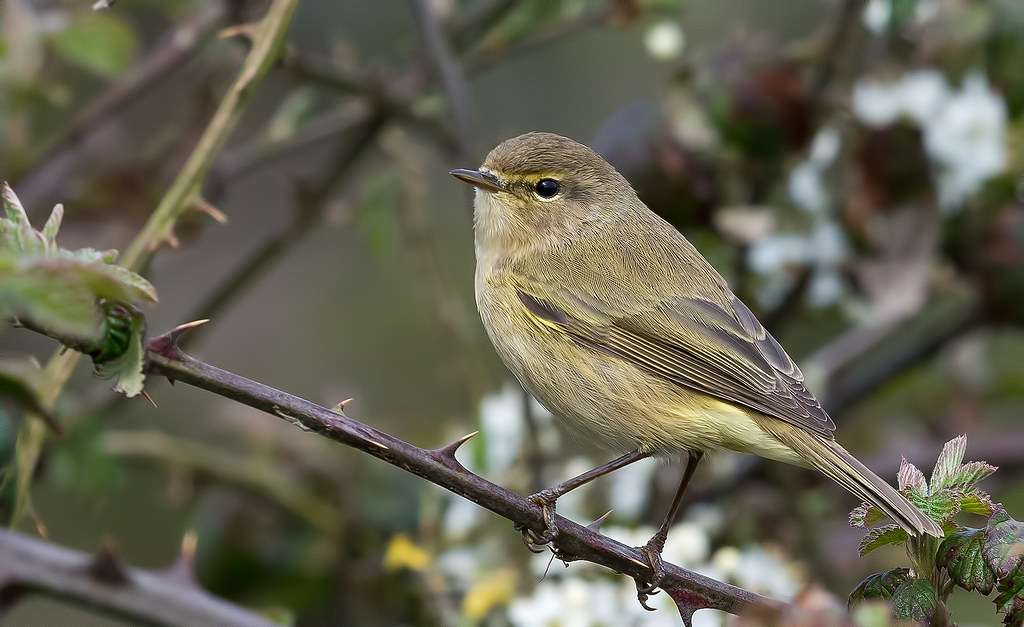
826, 66
557, 32
53, 160
213, 461
163, 598
850, 382
311, 207
450, 73
439, 466
267, 36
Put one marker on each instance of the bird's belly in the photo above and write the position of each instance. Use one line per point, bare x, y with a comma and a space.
615, 402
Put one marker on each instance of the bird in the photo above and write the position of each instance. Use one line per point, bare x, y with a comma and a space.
617, 324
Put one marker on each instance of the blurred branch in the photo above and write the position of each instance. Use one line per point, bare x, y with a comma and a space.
311, 206
845, 21
266, 479
170, 597
56, 158
439, 466
485, 15
450, 74
449, 309
560, 31
853, 367
267, 36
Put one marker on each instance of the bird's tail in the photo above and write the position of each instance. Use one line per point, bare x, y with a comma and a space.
833, 460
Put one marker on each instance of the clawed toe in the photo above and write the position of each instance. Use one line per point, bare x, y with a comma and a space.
645, 590
535, 541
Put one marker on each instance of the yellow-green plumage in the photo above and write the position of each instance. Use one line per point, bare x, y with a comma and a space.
617, 324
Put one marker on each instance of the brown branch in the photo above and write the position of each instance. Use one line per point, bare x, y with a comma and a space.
170, 597
450, 74
690, 590
55, 159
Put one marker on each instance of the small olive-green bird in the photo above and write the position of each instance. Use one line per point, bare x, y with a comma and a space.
616, 323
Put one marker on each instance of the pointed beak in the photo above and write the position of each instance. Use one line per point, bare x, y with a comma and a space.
483, 180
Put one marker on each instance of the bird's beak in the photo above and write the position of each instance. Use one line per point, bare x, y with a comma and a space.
484, 180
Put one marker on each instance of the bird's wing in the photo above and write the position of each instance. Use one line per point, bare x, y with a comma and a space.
722, 351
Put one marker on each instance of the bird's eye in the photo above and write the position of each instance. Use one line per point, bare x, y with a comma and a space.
547, 188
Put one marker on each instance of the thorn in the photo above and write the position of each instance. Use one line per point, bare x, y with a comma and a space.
149, 398
203, 206
183, 570
596, 525
172, 240
243, 30
449, 449
380, 444
340, 407
40, 526
107, 566
167, 344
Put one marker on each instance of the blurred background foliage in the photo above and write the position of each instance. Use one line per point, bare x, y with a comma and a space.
854, 169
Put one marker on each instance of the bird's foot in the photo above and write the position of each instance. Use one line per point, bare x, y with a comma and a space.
646, 589
535, 541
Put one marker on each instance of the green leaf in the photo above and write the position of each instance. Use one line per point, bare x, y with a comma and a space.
121, 353
971, 473
914, 600
52, 225
879, 585
48, 297
911, 478
866, 515
948, 462
12, 206
977, 502
1010, 600
961, 555
1004, 544
101, 42
889, 534
940, 507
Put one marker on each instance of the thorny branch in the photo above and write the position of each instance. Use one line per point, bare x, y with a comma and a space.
689, 590
169, 597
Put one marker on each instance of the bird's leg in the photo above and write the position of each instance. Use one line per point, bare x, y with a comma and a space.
656, 545
546, 498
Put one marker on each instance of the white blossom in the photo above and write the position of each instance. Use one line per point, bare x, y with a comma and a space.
501, 425
966, 139
876, 16
665, 40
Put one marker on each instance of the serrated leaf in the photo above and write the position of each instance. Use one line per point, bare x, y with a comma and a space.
866, 515
52, 225
889, 534
1010, 600
879, 585
940, 507
948, 462
101, 42
126, 327
1004, 544
48, 298
970, 473
914, 600
962, 556
911, 478
13, 210
977, 502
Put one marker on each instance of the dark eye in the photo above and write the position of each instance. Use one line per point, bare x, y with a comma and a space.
547, 188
